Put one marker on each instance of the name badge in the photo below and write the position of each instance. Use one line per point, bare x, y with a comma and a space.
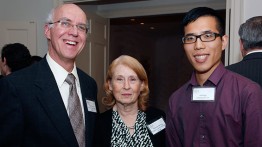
91, 106
157, 126
203, 94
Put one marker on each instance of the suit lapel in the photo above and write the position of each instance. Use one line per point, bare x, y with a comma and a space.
87, 90
51, 100
84, 92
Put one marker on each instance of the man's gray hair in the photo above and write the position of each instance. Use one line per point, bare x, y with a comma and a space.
50, 18
250, 33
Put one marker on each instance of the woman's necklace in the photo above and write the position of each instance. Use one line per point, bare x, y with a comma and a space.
128, 120
131, 127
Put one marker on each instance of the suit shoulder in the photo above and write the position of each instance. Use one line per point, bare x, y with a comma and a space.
84, 75
25, 74
106, 113
153, 113
105, 117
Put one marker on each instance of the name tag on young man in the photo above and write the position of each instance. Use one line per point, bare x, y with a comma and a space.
203, 94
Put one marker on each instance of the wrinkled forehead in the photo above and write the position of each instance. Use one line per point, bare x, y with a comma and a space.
71, 12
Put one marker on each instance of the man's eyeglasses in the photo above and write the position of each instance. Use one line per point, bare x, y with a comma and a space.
68, 25
206, 37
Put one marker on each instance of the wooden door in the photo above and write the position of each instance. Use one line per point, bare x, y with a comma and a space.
19, 32
94, 57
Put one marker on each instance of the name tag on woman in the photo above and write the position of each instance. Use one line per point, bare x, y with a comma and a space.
157, 126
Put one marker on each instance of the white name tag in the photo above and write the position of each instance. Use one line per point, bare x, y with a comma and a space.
91, 106
203, 94
157, 126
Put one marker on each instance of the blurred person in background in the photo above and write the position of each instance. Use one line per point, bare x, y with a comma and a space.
35, 59
14, 56
250, 34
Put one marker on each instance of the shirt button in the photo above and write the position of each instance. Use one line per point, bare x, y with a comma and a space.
202, 116
202, 136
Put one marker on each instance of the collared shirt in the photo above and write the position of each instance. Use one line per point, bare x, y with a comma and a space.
60, 75
254, 51
234, 119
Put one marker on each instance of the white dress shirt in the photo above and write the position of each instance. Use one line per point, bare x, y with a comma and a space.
60, 75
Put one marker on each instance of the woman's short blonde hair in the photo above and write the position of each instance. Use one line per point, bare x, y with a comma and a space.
109, 101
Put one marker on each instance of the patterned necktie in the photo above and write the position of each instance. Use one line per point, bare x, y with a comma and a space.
75, 111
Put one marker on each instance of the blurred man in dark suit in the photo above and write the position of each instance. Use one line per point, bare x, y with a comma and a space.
250, 34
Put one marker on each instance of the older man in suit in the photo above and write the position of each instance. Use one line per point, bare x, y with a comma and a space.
36, 107
250, 34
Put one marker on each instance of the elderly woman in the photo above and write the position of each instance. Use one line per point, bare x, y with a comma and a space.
129, 122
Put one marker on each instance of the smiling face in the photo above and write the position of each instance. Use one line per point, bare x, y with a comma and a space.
125, 85
204, 56
66, 43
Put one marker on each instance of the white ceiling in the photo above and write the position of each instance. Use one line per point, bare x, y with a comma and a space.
125, 8
104, 2
108, 2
